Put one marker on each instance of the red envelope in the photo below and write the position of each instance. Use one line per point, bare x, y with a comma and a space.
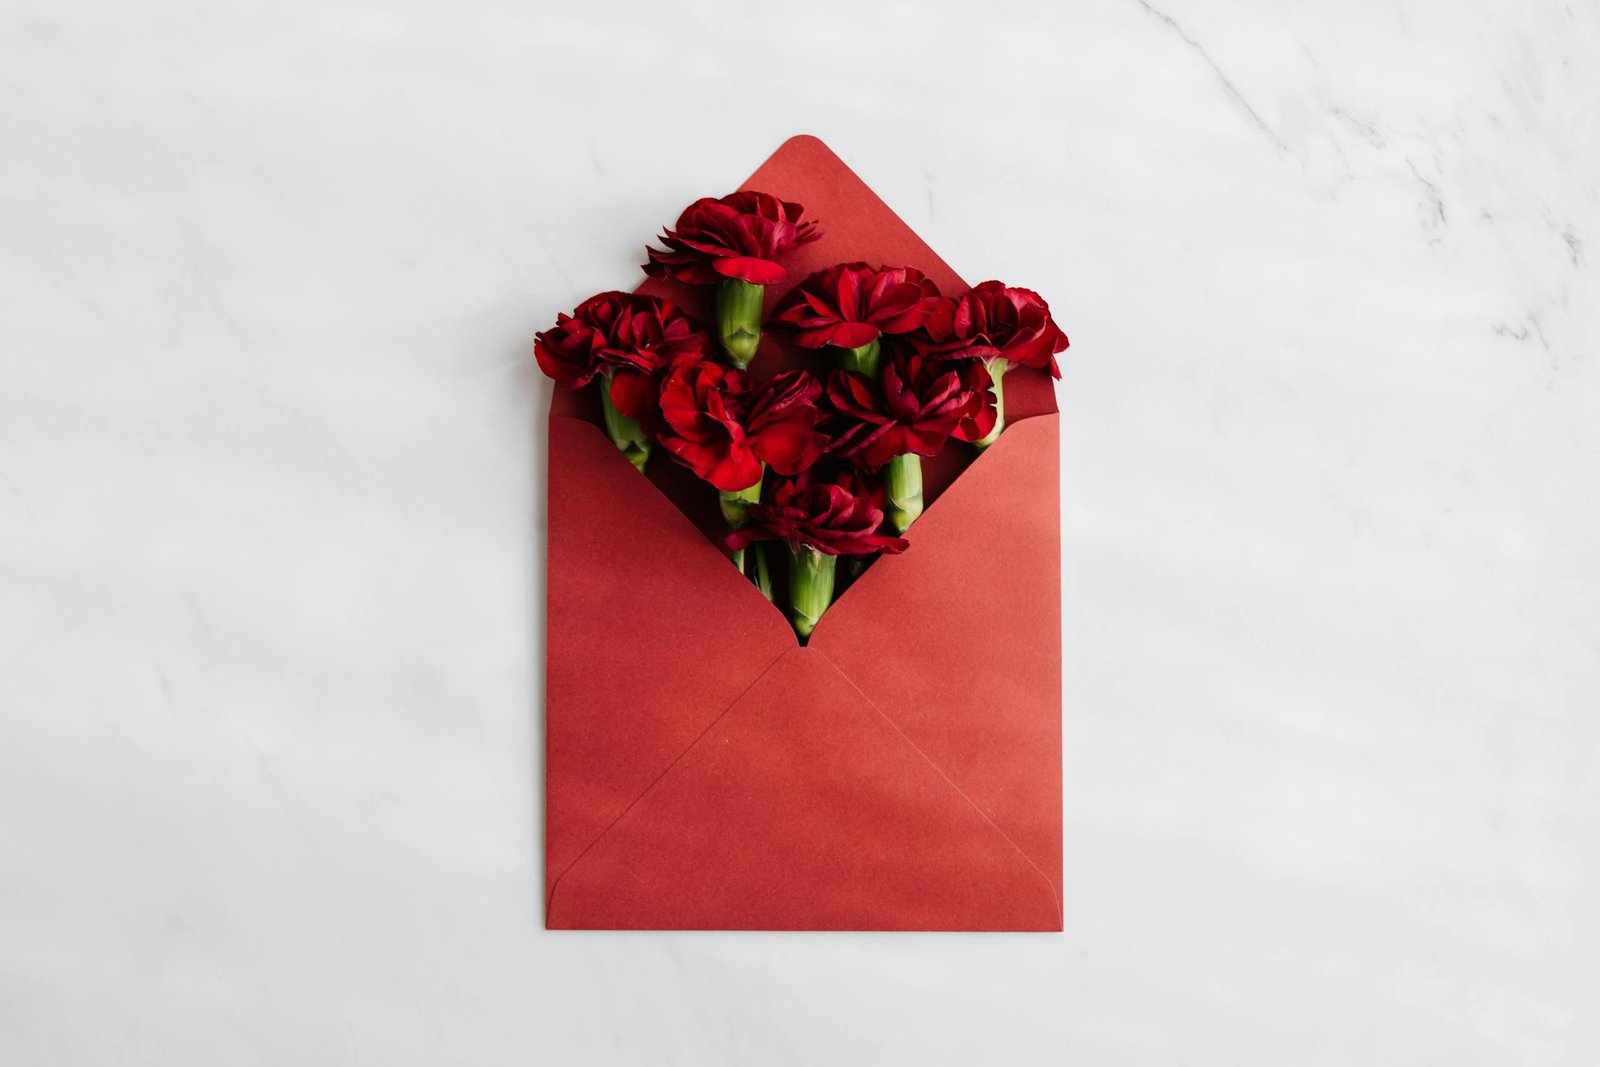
901, 771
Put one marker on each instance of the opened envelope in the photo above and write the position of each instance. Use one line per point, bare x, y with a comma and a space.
899, 770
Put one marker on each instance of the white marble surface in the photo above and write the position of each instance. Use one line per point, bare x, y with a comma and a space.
270, 546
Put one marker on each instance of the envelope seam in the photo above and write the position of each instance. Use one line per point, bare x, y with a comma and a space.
1054, 894
556, 884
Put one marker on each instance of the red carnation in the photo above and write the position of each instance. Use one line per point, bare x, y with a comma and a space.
827, 517
994, 321
851, 304
630, 340
913, 409
852, 480
627, 337
573, 352
739, 236
713, 425
653, 338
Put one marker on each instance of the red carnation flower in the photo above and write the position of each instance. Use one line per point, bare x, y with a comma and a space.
831, 518
739, 236
713, 425
914, 408
851, 304
851, 479
571, 353
656, 336
994, 321
628, 337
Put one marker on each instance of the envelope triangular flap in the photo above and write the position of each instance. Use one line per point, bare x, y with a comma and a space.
958, 640
651, 634
803, 808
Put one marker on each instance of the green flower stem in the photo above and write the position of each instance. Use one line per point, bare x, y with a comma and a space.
997, 373
736, 506
810, 587
864, 359
624, 432
739, 320
751, 561
763, 576
902, 482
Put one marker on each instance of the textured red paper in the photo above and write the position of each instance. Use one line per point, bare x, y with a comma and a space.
901, 772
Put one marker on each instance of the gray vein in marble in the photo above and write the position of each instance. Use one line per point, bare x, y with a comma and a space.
1227, 84
1529, 328
1435, 198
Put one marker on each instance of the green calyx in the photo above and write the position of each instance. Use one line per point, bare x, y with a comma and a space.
736, 505
624, 432
902, 485
739, 320
810, 587
997, 374
865, 359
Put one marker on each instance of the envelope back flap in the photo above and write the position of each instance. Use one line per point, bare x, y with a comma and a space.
959, 639
651, 634
803, 808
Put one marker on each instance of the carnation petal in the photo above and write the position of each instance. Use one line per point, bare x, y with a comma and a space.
750, 269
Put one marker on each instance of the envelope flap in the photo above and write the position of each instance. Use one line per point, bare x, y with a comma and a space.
958, 640
802, 807
651, 634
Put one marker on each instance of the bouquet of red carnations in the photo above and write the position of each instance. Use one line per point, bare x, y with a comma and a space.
795, 399
825, 460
